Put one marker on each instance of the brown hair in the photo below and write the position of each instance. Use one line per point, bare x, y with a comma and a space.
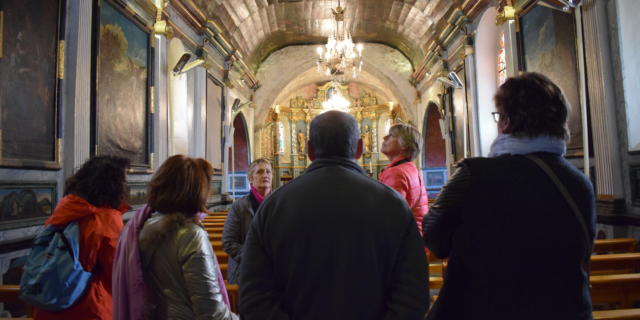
409, 138
534, 105
180, 185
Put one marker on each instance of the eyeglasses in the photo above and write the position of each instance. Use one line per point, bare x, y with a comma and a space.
497, 116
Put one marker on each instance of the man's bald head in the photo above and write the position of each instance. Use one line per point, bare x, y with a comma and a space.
334, 134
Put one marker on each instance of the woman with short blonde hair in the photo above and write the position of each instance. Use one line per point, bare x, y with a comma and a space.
241, 214
402, 146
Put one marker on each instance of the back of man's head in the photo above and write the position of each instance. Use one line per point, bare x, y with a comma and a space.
334, 134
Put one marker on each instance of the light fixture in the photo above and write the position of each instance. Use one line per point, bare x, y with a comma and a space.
183, 65
335, 101
341, 58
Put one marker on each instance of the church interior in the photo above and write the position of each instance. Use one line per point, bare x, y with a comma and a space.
232, 81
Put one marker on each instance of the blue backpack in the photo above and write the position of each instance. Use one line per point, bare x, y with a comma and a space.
53, 278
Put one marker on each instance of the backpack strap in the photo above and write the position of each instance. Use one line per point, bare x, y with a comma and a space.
572, 204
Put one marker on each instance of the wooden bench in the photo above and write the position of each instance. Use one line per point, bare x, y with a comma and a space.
232, 291
216, 245
615, 263
616, 288
619, 245
435, 282
619, 314
10, 294
222, 257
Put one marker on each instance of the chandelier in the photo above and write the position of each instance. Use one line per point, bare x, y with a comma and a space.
340, 59
336, 101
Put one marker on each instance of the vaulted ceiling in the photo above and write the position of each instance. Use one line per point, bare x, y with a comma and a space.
259, 27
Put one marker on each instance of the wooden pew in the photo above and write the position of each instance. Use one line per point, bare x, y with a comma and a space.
232, 291
619, 245
216, 245
435, 282
616, 288
222, 257
619, 314
10, 294
615, 263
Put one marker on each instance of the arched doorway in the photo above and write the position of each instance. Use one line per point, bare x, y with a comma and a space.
239, 159
434, 166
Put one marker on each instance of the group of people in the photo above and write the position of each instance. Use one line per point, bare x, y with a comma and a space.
336, 244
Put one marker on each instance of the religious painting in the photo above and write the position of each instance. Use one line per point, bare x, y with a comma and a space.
137, 193
548, 38
24, 204
31, 48
121, 90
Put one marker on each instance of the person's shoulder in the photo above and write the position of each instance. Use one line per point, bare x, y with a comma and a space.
108, 222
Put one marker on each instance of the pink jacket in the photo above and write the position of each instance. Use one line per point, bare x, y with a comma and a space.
406, 179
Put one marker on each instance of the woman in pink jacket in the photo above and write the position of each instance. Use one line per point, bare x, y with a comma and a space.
402, 146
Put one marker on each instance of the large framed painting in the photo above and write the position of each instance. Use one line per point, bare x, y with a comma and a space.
24, 204
122, 85
548, 42
31, 72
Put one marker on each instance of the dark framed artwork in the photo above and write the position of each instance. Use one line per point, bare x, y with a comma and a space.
31, 72
548, 41
123, 60
137, 193
24, 204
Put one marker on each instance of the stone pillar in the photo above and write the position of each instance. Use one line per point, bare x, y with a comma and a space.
608, 186
77, 109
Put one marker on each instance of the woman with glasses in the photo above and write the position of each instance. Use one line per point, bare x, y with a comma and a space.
497, 217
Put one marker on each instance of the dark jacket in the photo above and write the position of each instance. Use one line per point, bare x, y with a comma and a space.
235, 232
333, 244
515, 248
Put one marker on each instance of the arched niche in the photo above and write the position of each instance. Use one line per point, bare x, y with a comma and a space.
238, 171
486, 48
434, 157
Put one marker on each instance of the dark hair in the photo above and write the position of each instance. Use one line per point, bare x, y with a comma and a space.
534, 105
181, 184
102, 181
334, 134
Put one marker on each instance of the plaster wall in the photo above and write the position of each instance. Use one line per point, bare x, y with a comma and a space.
629, 40
486, 48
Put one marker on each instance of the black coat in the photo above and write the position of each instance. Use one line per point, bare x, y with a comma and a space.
235, 232
515, 248
333, 244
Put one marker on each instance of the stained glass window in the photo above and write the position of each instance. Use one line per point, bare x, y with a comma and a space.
502, 61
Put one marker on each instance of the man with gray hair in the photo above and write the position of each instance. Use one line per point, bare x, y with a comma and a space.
334, 243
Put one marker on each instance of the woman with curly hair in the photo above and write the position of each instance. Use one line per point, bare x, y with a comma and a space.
165, 267
94, 197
